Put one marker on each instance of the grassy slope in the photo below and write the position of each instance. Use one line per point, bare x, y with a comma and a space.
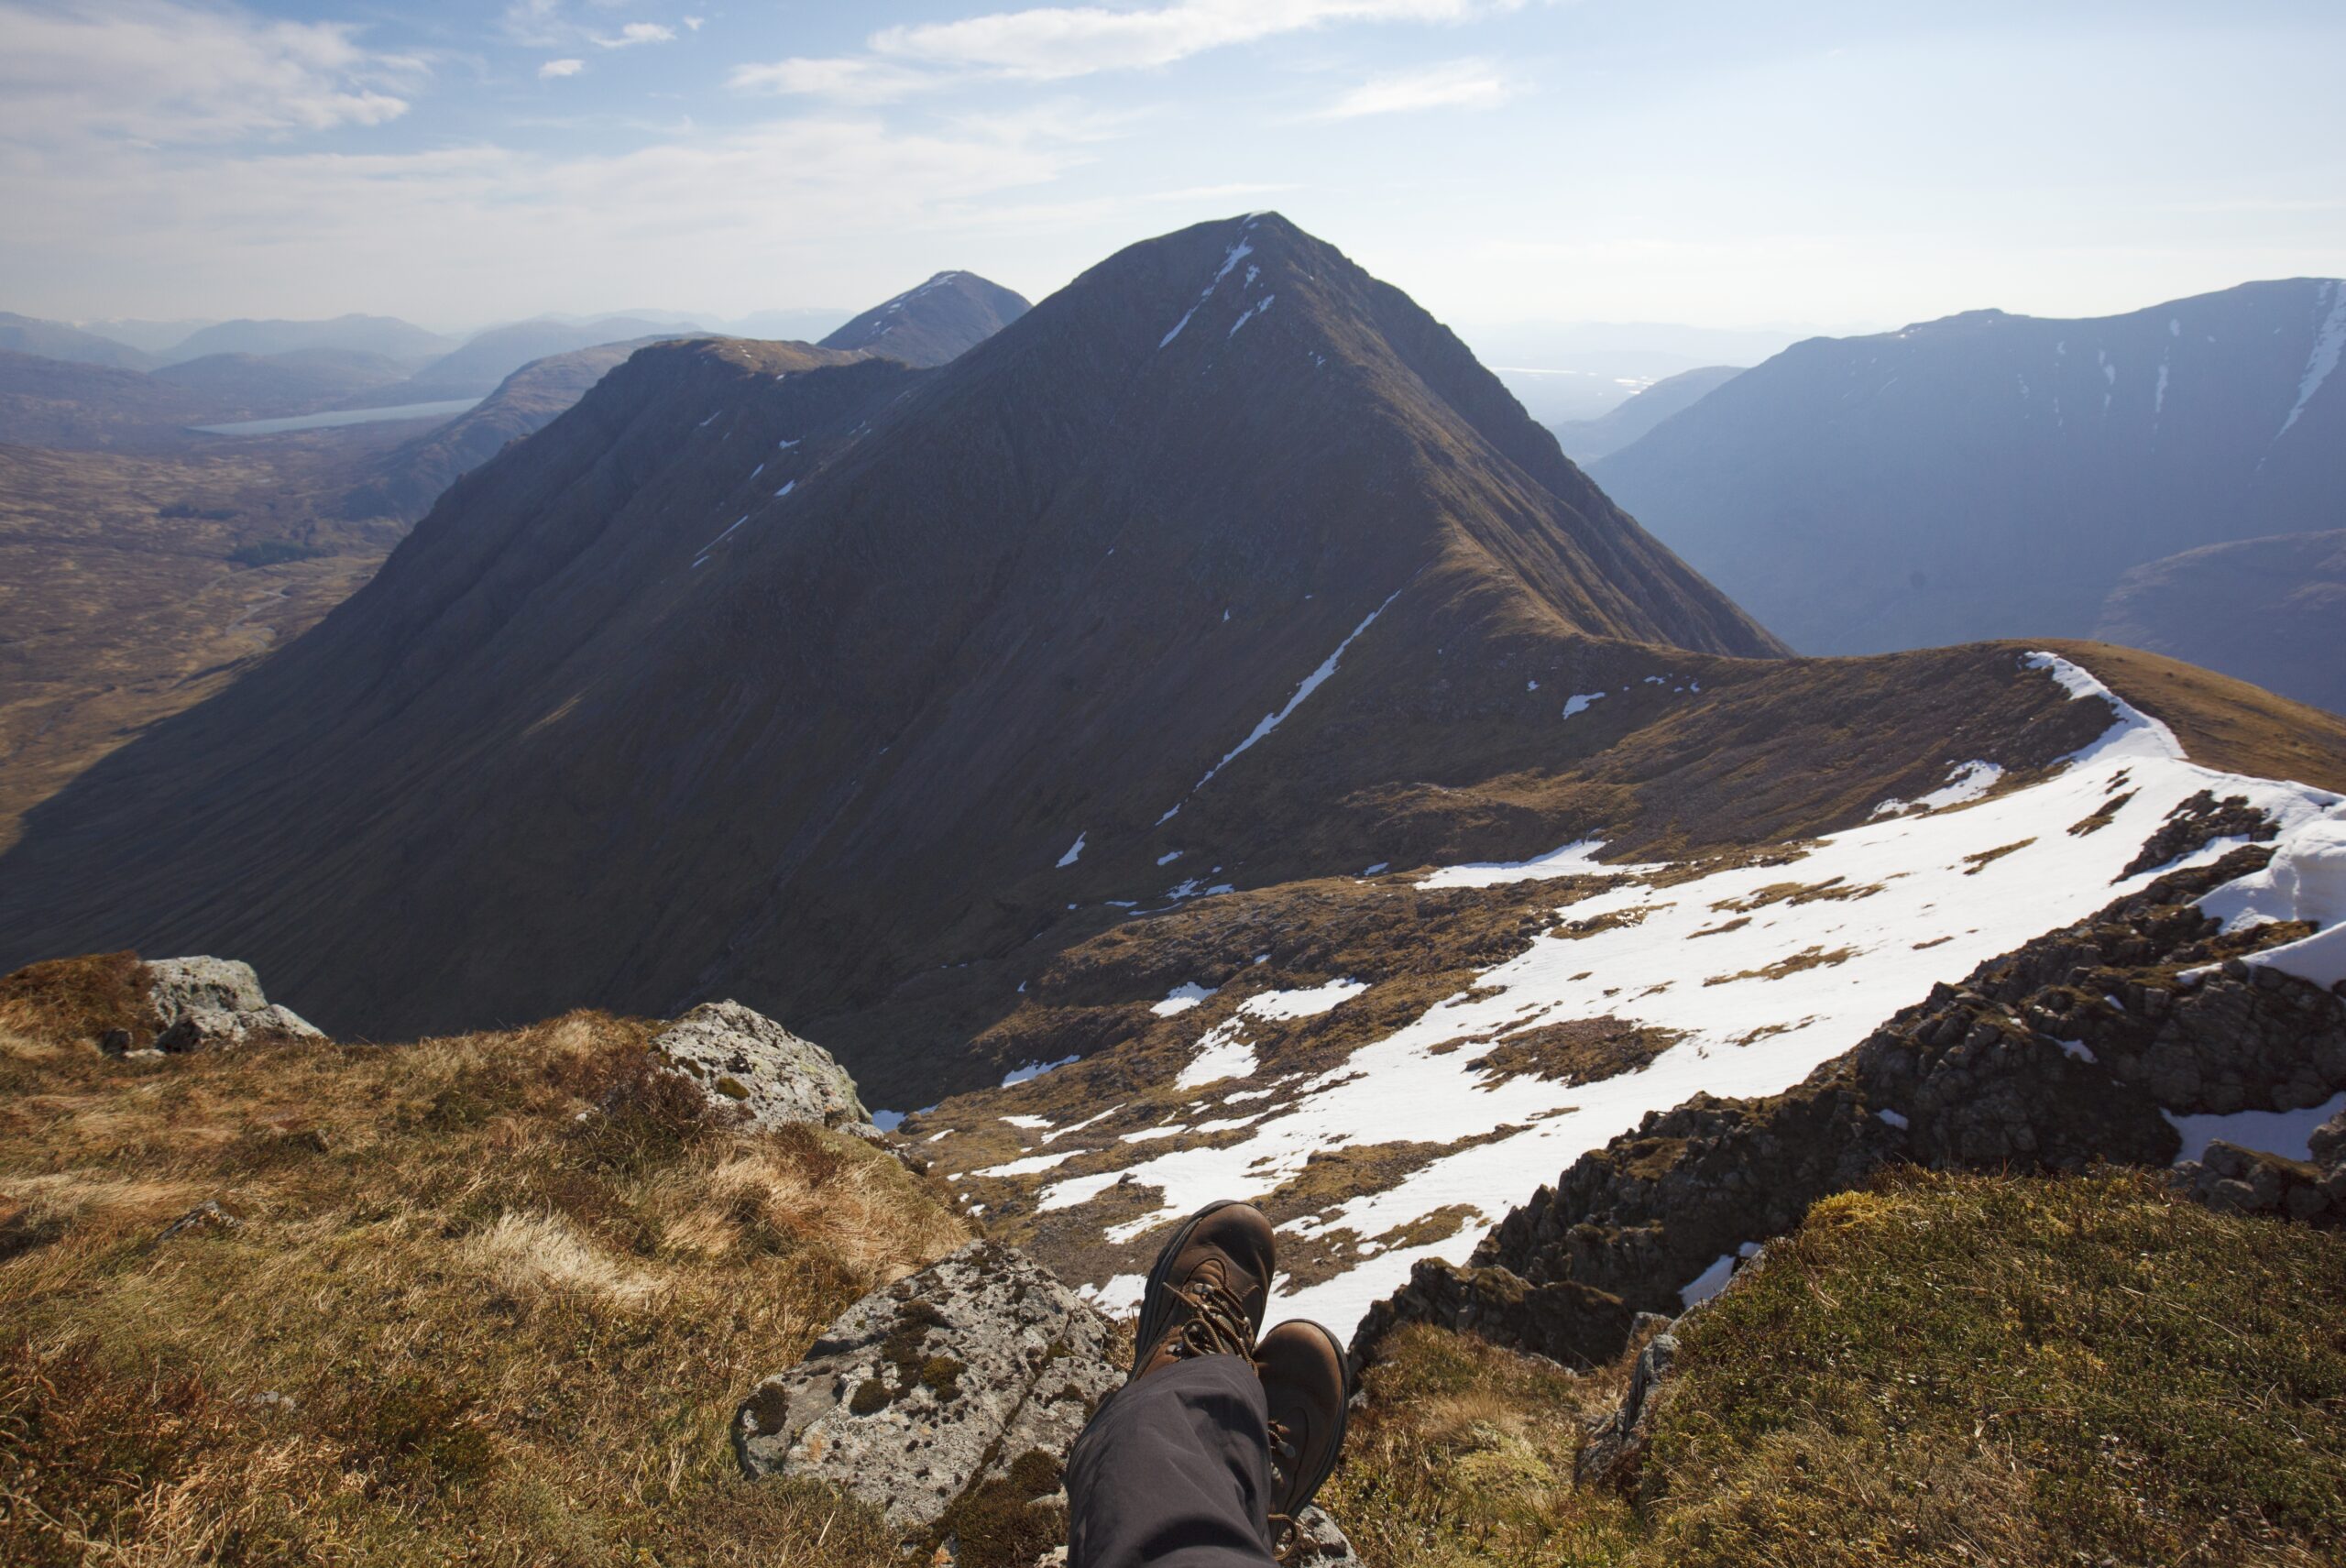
1938, 1370
490, 1299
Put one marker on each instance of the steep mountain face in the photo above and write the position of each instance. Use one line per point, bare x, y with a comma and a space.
1586, 440
2270, 610
256, 385
387, 335
489, 358
829, 685
935, 323
1994, 475
55, 340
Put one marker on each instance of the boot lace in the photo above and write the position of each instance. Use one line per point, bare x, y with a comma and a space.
1217, 1324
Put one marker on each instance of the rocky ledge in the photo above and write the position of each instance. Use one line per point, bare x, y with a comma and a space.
2074, 1048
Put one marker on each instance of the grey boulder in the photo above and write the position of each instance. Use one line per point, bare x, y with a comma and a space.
209, 1004
946, 1383
744, 1060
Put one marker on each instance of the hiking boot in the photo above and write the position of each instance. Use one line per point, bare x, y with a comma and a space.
1304, 1382
1208, 1289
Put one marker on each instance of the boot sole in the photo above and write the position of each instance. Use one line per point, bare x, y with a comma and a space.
1153, 1307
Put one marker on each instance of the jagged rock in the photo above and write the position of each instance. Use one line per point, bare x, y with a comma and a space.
1319, 1542
2251, 1181
2195, 824
208, 1004
1618, 1439
1565, 1319
744, 1060
2060, 1054
924, 1392
178, 986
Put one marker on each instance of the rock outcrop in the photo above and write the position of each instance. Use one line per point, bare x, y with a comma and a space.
955, 1391
949, 1401
744, 1061
2061, 1054
208, 1004
2250, 1182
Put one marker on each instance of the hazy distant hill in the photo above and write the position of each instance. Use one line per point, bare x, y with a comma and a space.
60, 403
265, 386
491, 356
1586, 440
1991, 474
936, 322
387, 335
2268, 611
55, 340
407, 481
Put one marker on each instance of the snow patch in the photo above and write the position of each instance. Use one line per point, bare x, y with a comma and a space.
1222, 1052
1307, 1004
1708, 1283
2306, 881
1034, 1070
1580, 702
1968, 782
2329, 343
2289, 1134
1311, 683
1577, 858
1074, 851
1181, 998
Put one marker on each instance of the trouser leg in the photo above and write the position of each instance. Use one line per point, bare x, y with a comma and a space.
1173, 1470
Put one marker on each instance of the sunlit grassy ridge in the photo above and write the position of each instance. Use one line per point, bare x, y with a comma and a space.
483, 1300
1939, 1370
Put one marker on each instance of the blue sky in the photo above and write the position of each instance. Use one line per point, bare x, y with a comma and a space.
1724, 162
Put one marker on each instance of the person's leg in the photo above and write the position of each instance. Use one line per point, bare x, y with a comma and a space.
1174, 1471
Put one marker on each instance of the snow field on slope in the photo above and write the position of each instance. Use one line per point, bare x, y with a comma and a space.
1948, 890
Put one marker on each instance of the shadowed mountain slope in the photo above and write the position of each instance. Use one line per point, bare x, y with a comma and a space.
2270, 610
795, 679
935, 323
1994, 475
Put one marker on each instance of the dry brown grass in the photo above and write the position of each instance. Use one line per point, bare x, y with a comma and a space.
483, 1300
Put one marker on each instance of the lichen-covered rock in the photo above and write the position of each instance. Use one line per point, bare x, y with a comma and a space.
924, 1392
176, 987
743, 1060
1617, 1442
209, 1029
209, 1004
2251, 1181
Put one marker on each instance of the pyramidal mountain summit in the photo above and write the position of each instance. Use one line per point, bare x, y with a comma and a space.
808, 677
934, 323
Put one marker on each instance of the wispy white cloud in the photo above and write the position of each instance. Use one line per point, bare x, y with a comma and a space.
635, 33
1459, 84
558, 68
695, 24
1057, 42
160, 72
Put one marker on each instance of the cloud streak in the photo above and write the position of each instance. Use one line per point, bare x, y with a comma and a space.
1459, 84
1051, 43
158, 71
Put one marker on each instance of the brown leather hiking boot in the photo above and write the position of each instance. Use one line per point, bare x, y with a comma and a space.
1208, 1289
1304, 1382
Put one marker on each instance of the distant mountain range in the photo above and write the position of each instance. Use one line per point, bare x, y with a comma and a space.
385, 335
1586, 440
54, 340
797, 674
1991, 474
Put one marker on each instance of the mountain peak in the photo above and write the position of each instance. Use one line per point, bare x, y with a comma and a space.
934, 323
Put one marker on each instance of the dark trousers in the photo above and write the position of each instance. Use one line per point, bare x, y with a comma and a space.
1174, 1472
